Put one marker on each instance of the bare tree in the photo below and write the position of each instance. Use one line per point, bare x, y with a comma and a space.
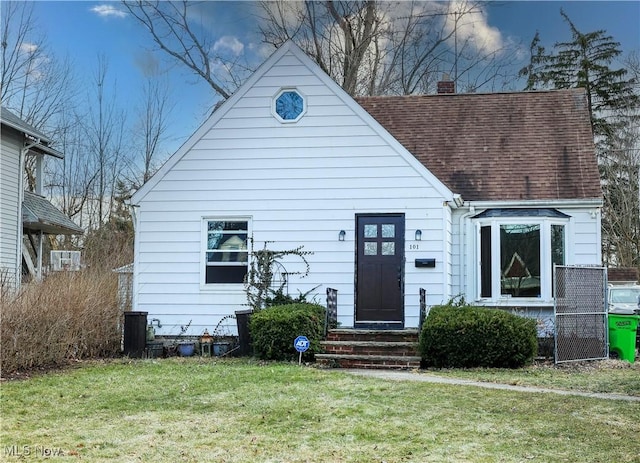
369, 47
621, 211
338, 35
104, 134
175, 29
72, 179
21, 48
620, 170
150, 129
34, 84
375, 48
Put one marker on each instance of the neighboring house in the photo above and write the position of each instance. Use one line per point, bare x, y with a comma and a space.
22, 212
474, 195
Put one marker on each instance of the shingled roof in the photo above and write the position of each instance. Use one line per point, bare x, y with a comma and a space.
38, 214
498, 146
42, 142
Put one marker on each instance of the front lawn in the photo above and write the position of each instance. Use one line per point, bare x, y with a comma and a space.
197, 410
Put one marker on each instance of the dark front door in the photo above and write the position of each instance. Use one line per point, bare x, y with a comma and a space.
379, 274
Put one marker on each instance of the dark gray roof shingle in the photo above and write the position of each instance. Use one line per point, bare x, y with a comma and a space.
39, 214
11, 120
499, 146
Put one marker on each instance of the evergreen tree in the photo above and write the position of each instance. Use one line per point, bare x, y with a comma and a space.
614, 106
585, 62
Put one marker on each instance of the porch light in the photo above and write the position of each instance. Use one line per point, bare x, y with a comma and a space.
418, 235
341, 235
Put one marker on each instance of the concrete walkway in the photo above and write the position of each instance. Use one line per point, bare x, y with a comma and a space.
425, 377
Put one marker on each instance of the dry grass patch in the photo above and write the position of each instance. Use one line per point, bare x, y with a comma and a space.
608, 376
69, 315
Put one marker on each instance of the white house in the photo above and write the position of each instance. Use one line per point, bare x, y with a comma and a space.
475, 195
24, 212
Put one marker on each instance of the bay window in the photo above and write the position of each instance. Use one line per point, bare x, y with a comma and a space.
517, 251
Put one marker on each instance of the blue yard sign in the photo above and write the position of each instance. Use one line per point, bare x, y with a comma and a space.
301, 344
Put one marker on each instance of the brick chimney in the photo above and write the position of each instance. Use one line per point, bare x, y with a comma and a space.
446, 85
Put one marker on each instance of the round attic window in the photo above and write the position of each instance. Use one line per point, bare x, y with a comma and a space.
289, 106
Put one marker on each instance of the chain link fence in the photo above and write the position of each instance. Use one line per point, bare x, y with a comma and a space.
580, 313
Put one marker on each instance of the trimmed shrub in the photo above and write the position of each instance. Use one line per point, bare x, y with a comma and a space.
465, 336
274, 329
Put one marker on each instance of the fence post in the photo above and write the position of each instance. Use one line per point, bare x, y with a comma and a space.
423, 308
331, 318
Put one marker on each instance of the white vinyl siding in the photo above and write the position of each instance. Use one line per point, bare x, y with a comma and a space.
301, 184
10, 210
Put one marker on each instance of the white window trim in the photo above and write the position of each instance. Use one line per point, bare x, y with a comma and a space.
546, 289
220, 287
275, 98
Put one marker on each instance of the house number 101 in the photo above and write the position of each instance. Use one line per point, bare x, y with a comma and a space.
414, 246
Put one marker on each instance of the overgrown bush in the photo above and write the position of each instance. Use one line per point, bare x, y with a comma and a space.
461, 335
274, 329
69, 315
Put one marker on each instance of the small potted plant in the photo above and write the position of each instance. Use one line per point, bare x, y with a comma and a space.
185, 348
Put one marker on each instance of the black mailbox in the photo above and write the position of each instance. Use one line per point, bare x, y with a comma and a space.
425, 263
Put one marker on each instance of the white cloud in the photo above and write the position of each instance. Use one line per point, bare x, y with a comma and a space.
28, 47
473, 27
229, 43
108, 10
38, 62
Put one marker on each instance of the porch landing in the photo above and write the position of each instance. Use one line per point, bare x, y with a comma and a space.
351, 348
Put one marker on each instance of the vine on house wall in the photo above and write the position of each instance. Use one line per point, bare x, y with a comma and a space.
259, 282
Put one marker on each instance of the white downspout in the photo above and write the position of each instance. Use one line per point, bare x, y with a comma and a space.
39, 174
134, 278
39, 184
464, 276
40, 250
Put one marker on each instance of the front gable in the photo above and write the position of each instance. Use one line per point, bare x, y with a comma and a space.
332, 112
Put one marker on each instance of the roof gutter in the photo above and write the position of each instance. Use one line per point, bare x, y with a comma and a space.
589, 202
36, 144
456, 201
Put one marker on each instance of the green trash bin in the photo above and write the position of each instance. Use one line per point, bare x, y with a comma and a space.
623, 326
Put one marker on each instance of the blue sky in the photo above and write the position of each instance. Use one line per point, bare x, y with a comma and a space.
84, 29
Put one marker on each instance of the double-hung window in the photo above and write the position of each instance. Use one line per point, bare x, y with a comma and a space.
226, 254
517, 251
